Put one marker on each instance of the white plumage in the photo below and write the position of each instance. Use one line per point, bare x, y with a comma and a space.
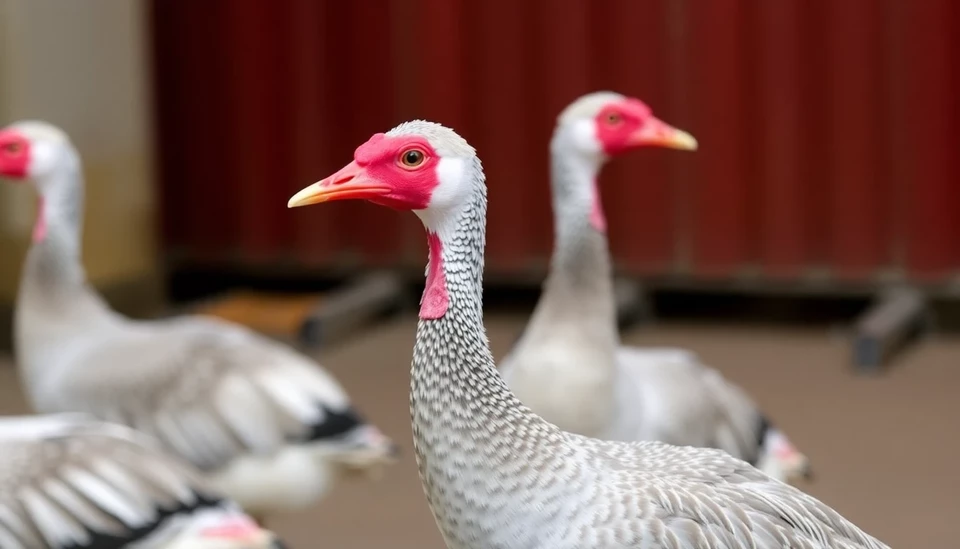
267, 424
496, 475
71, 481
569, 366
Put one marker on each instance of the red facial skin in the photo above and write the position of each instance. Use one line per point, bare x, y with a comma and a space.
618, 124
615, 124
14, 154
379, 175
15, 163
381, 172
621, 126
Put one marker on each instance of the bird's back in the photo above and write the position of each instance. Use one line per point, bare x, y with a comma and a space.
670, 396
651, 494
268, 425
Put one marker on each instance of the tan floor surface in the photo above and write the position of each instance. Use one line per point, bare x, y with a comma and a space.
884, 449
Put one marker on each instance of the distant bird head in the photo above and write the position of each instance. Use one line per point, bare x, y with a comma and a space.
590, 131
232, 532
420, 166
364, 451
33, 150
780, 459
603, 124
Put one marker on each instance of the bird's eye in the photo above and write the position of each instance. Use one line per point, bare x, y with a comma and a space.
411, 158
614, 118
12, 148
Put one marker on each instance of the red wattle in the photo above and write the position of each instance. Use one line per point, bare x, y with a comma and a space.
40, 226
597, 219
435, 299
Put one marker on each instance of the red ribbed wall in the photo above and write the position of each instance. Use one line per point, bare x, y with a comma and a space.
828, 130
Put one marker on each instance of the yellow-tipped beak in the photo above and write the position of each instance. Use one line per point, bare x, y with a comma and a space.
310, 195
659, 134
351, 182
680, 140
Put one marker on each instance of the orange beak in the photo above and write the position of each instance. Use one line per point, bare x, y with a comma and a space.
659, 134
351, 182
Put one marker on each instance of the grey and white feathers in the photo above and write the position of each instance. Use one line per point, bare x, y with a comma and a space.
265, 423
70, 481
569, 365
498, 476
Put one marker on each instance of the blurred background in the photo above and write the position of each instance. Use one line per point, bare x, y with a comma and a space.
825, 190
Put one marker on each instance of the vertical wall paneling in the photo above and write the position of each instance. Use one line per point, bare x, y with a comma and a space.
826, 129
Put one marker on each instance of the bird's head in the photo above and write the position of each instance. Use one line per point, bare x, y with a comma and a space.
215, 530
600, 125
590, 131
31, 150
419, 166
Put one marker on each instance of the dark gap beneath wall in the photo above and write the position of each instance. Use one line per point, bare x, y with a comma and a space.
190, 284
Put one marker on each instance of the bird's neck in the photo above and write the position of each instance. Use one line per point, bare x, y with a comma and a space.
54, 258
579, 288
465, 419
452, 363
54, 280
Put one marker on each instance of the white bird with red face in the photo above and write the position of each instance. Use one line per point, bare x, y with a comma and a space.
498, 476
71, 481
267, 424
569, 366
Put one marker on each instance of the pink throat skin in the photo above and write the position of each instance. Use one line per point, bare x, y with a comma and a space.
236, 528
597, 218
435, 299
40, 226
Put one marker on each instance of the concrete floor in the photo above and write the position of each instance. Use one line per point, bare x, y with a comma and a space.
883, 448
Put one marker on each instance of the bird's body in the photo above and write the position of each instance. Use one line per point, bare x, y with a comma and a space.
498, 476
267, 424
665, 395
569, 365
70, 481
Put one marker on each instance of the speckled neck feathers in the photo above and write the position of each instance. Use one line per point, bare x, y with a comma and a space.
468, 427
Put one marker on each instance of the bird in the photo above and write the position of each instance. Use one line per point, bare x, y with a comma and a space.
569, 366
268, 425
71, 481
495, 474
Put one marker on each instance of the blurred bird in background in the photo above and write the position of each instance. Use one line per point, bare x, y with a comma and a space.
569, 366
266, 424
69, 481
